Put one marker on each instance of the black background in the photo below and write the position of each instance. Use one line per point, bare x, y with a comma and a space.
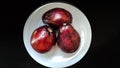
104, 17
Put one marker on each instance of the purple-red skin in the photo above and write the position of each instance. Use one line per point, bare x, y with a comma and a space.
56, 17
68, 39
42, 39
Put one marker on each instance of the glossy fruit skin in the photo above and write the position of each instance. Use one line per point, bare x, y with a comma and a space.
56, 17
68, 39
42, 39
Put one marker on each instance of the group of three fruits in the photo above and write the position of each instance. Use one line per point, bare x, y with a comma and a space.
59, 21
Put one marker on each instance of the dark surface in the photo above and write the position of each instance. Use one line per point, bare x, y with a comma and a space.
104, 18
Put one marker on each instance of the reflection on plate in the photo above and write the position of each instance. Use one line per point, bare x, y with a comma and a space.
56, 57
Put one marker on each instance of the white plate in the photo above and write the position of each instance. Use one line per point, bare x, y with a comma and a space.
56, 57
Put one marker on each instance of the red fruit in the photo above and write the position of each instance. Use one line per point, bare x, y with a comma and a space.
68, 38
57, 17
42, 39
